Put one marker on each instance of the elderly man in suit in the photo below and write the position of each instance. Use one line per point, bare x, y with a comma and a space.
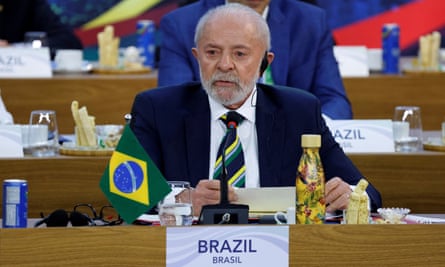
180, 127
301, 41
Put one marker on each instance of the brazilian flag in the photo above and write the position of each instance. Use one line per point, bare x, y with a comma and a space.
132, 182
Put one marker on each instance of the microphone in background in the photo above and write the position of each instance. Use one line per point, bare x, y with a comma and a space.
224, 212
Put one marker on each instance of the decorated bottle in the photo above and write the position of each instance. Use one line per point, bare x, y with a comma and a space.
310, 190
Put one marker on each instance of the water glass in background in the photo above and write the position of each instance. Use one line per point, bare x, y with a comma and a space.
176, 208
33, 135
48, 147
407, 128
36, 39
108, 135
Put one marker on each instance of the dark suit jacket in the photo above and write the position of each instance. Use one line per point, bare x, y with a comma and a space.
173, 125
301, 41
20, 16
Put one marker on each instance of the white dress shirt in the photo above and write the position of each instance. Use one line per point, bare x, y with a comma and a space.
246, 132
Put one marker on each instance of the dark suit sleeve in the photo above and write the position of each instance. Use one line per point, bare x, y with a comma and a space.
174, 65
328, 84
337, 163
143, 125
301, 114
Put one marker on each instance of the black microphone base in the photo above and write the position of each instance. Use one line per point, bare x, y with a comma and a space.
224, 214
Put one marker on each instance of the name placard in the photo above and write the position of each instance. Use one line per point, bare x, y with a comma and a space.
228, 246
23, 62
11, 141
352, 61
363, 135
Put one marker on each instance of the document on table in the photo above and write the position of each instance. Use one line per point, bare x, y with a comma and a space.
423, 219
267, 199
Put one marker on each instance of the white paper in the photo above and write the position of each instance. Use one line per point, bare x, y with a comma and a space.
11, 141
424, 219
267, 199
352, 61
5, 116
25, 62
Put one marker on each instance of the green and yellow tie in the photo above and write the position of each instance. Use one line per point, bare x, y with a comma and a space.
234, 156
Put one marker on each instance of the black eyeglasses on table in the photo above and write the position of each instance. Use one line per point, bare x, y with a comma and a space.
82, 215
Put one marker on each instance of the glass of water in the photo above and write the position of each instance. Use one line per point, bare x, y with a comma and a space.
407, 129
48, 145
176, 208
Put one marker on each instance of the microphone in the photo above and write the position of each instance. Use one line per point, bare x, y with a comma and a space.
224, 212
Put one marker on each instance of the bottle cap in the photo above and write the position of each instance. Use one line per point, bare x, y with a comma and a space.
310, 140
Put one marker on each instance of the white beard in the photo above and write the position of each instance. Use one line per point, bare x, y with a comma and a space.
241, 91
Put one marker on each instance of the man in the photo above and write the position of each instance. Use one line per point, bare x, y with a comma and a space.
301, 41
180, 129
20, 16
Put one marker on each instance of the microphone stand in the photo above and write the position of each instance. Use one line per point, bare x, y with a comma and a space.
224, 212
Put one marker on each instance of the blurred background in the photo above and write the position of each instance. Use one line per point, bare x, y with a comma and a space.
354, 22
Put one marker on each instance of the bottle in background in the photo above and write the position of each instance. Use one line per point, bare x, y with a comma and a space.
146, 41
390, 48
310, 188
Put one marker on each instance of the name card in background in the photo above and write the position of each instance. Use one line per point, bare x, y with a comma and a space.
352, 61
21, 62
363, 135
11, 141
228, 246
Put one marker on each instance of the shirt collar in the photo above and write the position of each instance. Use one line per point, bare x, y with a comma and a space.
247, 110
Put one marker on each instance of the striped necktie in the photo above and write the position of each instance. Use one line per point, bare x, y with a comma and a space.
234, 156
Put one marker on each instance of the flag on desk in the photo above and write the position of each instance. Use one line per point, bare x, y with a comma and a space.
132, 182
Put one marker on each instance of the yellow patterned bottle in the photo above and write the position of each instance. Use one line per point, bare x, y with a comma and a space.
310, 199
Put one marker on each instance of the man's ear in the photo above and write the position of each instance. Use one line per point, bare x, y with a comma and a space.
265, 62
195, 52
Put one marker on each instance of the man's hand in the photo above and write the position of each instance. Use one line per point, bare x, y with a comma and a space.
337, 194
207, 192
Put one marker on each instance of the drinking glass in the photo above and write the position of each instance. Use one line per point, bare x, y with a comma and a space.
36, 39
50, 145
407, 129
176, 208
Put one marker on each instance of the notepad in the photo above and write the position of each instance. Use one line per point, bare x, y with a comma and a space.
266, 199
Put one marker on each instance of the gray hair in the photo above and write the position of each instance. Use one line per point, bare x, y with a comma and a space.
235, 10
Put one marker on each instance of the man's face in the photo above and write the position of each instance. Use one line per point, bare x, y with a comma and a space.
257, 5
229, 55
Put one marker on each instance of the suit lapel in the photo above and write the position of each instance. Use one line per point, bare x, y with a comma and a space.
271, 135
197, 135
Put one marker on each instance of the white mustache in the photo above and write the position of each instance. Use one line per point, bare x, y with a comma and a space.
225, 77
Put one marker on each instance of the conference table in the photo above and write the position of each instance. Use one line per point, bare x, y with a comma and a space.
412, 180
109, 97
409, 180
309, 245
